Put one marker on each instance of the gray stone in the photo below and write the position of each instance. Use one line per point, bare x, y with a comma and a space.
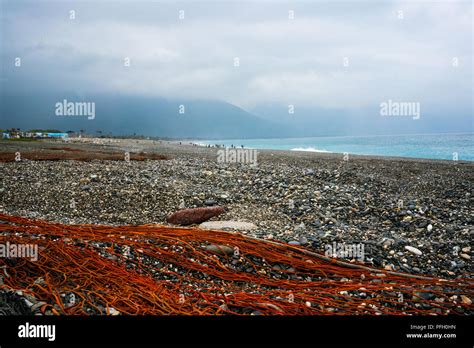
303, 240
210, 202
220, 249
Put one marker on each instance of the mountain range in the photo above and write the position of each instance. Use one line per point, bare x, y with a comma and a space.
119, 114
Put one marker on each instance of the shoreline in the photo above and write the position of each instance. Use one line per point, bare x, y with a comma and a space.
187, 146
323, 148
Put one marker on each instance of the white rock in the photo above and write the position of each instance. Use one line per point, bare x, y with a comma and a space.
227, 225
113, 311
466, 300
224, 307
28, 303
429, 227
413, 250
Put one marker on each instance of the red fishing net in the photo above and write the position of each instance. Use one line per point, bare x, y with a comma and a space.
156, 270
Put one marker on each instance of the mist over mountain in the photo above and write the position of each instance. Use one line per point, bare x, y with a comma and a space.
117, 114
316, 121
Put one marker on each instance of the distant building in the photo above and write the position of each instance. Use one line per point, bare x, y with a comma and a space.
37, 135
57, 135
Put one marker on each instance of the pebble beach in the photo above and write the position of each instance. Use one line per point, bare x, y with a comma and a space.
410, 215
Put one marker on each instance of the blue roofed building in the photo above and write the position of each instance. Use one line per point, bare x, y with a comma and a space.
57, 135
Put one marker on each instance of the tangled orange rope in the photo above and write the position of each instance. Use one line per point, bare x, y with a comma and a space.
156, 270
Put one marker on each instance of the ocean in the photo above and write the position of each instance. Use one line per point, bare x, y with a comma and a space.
431, 146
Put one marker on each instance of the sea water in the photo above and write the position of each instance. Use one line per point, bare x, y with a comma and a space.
431, 146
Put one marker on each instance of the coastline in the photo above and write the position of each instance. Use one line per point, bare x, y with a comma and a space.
443, 146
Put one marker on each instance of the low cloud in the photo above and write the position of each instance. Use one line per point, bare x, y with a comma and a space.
299, 61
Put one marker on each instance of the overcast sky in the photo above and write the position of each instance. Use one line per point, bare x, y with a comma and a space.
291, 61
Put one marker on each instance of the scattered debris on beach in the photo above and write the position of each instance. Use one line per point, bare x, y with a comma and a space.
195, 215
68, 153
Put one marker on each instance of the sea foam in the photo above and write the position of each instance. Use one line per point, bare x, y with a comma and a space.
309, 149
